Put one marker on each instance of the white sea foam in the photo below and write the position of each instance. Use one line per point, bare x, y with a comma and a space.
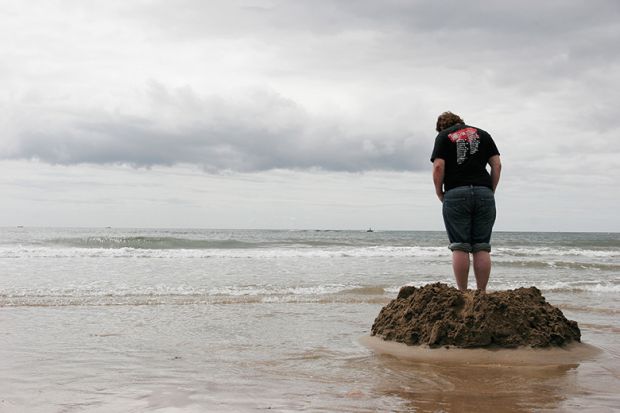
122, 290
523, 254
599, 287
555, 252
604, 288
122, 294
305, 252
560, 286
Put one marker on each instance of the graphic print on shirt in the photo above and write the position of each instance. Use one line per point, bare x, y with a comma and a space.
467, 141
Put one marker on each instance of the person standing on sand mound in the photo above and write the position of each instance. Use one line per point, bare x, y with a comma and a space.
466, 189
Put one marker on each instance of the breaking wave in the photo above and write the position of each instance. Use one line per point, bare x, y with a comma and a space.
141, 247
220, 252
156, 243
107, 295
177, 295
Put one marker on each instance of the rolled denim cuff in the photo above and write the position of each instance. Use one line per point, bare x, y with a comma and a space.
460, 246
481, 246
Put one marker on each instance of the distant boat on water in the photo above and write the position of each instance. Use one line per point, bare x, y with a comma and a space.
370, 230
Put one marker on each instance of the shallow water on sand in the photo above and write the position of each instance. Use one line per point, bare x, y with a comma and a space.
277, 325
248, 357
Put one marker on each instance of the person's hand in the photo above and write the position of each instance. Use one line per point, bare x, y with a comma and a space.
440, 196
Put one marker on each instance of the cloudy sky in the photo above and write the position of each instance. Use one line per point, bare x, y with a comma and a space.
303, 114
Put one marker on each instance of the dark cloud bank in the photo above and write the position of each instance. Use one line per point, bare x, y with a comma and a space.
527, 43
263, 131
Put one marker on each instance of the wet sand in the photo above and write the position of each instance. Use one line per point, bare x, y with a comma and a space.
503, 380
570, 354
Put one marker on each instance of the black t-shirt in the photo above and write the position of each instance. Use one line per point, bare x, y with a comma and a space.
466, 151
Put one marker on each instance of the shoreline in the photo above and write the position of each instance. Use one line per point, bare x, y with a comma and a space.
573, 353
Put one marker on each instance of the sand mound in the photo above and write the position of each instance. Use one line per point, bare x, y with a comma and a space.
439, 315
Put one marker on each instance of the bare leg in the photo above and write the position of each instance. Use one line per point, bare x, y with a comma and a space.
482, 269
460, 266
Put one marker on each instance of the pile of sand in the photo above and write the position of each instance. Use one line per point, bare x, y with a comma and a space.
439, 315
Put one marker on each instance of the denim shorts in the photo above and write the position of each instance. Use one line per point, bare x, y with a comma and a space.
469, 215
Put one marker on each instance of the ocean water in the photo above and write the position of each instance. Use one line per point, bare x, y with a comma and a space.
137, 320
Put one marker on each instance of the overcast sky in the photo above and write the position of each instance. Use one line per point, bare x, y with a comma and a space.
303, 114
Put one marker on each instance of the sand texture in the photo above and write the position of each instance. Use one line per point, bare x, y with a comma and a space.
438, 315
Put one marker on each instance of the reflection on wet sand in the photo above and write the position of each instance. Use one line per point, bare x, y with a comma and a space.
477, 380
432, 388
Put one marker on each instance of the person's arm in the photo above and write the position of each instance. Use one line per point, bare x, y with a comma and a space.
439, 169
496, 170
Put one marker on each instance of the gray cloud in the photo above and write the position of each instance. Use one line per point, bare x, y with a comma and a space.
326, 17
263, 131
384, 70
